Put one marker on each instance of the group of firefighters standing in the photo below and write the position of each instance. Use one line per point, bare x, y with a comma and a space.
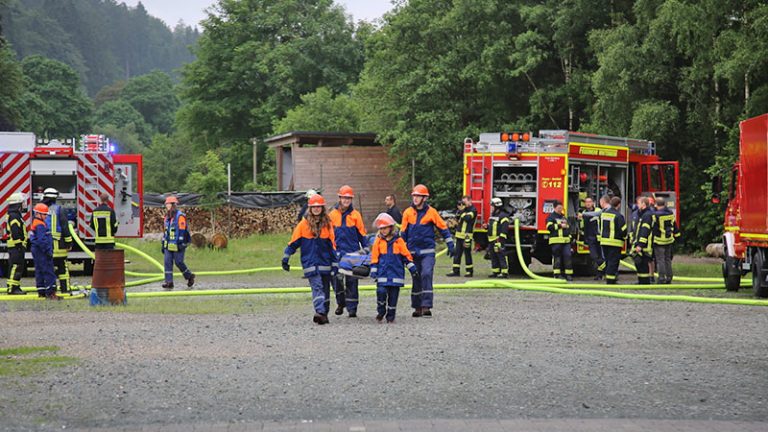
49, 239
649, 238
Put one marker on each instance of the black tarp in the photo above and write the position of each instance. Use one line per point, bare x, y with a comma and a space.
254, 200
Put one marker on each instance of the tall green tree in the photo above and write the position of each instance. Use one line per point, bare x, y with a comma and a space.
209, 178
54, 104
321, 111
12, 88
153, 96
254, 60
167, 164
120, 114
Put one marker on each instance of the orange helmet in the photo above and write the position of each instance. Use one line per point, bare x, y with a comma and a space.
420, 190
41, 208
316, 201
383, 220
171, 200
346, 192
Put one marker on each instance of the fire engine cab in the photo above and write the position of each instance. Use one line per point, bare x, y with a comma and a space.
81, 170
530, 173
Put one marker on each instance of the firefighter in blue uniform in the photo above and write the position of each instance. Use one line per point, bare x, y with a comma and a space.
643, 241
17, 242
464, 233
613, 234
418, 230
175, 240
349, 231
388, 256
498, 226
560, 241
58, 224
590, 228
315, 237
42, 253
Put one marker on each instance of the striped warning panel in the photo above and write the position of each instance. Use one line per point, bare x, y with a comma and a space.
15, 176
95, 175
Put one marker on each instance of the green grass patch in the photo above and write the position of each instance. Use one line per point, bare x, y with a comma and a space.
25, 361
251, 252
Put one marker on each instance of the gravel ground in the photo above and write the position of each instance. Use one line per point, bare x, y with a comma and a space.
488, 354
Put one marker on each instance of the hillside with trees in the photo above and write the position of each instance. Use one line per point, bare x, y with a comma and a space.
102, 40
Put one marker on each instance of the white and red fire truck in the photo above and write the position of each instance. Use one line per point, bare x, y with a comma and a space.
530, 173
81, 170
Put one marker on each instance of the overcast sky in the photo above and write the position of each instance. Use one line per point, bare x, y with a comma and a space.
191, 11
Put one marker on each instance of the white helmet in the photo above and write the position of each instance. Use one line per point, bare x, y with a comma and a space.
16, 198
497, 202
310, 193
50, 193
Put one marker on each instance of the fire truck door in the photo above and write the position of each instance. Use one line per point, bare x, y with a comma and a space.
128, 196
662, 179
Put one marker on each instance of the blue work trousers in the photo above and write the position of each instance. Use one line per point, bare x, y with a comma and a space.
345, 288
321, 292
421, 292
177, 258
386, 301
45, 278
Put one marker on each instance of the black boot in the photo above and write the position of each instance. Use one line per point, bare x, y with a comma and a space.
15, 290
168, 285
191, 280
339, 310
453, 274
416, 313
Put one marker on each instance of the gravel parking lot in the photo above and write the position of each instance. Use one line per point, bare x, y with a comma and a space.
485, 354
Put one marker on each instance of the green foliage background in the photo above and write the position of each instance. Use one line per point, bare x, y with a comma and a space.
680, 72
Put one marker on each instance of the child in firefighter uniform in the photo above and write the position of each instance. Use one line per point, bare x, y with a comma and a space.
560, 241
613, 234
643, 241
314, 235
464, 232
349, 231
418, 231
498, 225
42, 254
175, 240
17, 242
58, 224
388, 256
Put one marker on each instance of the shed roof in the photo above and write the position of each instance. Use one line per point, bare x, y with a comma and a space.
322, 139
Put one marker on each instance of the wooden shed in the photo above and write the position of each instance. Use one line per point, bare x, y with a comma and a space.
328, 160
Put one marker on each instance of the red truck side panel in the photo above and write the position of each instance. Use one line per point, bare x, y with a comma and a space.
754, 165
553, 184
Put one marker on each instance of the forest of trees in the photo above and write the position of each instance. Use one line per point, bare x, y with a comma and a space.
680, 72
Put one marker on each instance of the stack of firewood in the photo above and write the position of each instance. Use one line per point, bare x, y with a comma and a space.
234, 222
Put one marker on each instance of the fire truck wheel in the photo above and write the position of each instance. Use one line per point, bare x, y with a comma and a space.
732, 273
759, 273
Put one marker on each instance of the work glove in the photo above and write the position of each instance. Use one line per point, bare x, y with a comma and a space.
451, 250
286, 266
415, 275
374, 275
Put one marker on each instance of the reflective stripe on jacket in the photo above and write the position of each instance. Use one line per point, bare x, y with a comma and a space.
665, 227
613, 228
418, 229
466, 226
388, 259
557, 233
498, 225
318, 254
104, 224
18, 233
643, 231
176, 234
348, 229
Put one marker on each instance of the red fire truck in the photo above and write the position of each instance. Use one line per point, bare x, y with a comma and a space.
745, 237
530, 173
81, 170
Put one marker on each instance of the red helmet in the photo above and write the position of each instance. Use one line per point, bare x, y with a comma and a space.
346, 192
316, 201
172, 200
420, 190
41, 208
383, 220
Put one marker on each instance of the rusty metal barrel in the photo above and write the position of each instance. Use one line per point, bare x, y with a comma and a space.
109, 276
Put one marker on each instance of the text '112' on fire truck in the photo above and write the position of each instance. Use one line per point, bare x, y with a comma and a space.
81, 170
530, 173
